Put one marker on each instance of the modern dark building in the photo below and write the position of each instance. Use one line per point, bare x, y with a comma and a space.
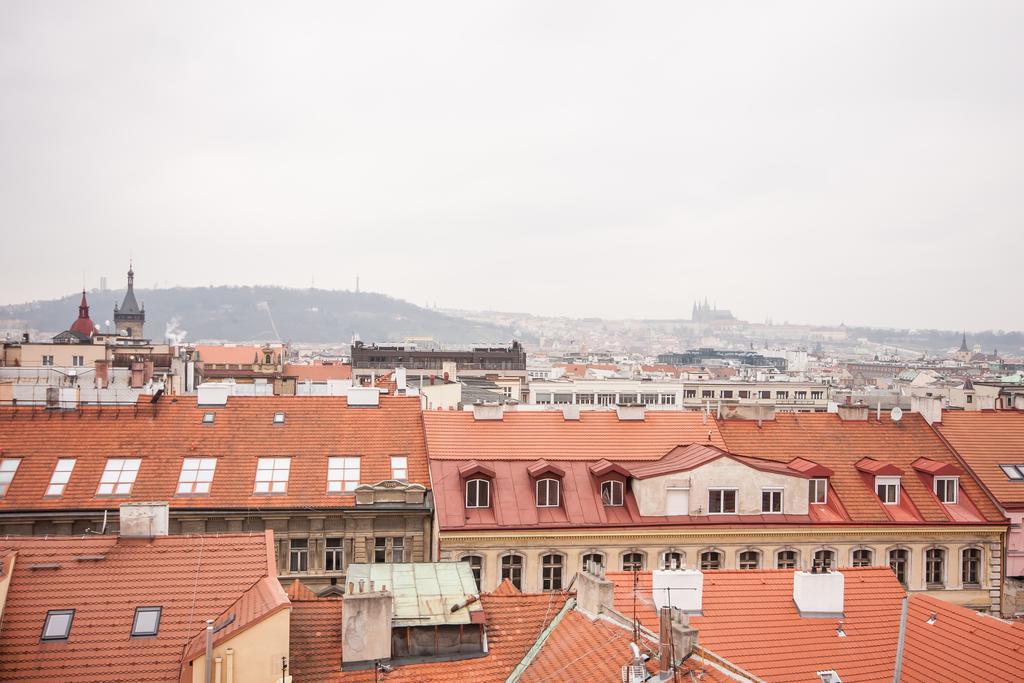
700, 357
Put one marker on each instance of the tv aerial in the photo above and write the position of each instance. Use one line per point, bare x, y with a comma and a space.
896, 414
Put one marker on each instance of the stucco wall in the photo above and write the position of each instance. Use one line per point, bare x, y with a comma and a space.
722, 473
257, 652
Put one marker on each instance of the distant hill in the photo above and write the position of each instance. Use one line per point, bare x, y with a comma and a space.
244, 313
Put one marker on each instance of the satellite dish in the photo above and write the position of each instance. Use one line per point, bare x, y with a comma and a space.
896, 414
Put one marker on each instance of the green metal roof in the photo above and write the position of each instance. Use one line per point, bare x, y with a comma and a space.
424, 592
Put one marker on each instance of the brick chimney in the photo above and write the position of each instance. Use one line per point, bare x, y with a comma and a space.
366, 624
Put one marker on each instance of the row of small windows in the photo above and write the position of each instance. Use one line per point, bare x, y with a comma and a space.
478, 493
57, 624
196, 475
653, 399
898, 559
385, 549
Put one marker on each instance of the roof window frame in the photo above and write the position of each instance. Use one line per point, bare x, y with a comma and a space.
70, 613
135, 621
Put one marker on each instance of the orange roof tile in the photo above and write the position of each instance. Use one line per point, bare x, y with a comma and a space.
547, 434
749, 619
104, 578
513, 624
298, 591
985, 440
961, 645
315, 639
839, 444
263, 599
165, 433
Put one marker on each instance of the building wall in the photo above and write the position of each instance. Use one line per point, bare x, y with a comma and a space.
31, 355
721, 473
258, 651
653, 543
357, 528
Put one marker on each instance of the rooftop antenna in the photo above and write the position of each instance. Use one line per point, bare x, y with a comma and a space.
896, 414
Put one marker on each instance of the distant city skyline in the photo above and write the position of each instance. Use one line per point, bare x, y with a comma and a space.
809, 162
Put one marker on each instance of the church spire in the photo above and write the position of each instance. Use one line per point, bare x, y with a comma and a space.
963, 343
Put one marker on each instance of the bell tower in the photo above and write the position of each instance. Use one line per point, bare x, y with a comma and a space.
130, 318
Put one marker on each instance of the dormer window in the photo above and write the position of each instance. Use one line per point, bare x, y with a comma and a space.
547, 493
611, 493
888, 490
478, 493
818, 492
947, 489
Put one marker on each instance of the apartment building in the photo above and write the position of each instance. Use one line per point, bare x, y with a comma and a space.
534, 496
338, 479
680, 395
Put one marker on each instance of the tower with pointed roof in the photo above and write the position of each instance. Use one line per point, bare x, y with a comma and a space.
130, 318
84, 327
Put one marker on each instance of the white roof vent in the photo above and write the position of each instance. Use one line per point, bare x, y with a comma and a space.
679, 588
487, 411
630, 412
363, 396
819, 594
571, 412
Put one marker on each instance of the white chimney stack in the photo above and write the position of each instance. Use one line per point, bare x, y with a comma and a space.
630, 412
144, 520
363, 396
930, 407
819, 594
400, 384
487, 411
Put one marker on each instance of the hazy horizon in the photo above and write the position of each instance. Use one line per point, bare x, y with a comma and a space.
809, 162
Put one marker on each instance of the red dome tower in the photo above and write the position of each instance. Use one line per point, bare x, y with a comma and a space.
84, 326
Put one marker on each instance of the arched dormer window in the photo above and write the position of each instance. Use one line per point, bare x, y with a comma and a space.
548, 483
611, 493
548, 493
478, 493
477, 481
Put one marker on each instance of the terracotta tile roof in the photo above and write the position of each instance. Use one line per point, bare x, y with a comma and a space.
104, 578
318, 372
749, 619
685, 458
579, 649
985, 440
298, 591
315, 639
165, 433
513, 624
505, 589
961, 645
236, 355
547, 434
826, 439
263, 599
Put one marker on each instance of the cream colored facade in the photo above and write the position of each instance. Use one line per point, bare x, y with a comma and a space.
253, 655
723, 473
692, 541
38, 355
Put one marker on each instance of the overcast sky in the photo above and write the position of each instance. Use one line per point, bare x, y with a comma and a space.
858, 162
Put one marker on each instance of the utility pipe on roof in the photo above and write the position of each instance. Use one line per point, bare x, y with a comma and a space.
897, 671
209, 651
229, 666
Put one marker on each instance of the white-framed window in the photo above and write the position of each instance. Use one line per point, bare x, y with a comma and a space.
196, 476
8, 466
611, 493
399, 468
547, 493
208, 418
77, 361
60, 477
888, 490
829, 676
342, 473
947, 489
118, 476
279, 418
272, 475
817, 491
721, 501
478, 493
47, 360
298, 555
771, 501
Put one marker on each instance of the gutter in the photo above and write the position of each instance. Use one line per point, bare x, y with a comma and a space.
532, 653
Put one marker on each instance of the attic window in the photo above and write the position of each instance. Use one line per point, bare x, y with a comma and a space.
8, 466
118, 477
208, 418
829, 676
888, 490
1013, 472
279, 418
58, 624
147, 621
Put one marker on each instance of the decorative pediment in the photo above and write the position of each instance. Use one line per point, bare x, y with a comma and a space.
543, 467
